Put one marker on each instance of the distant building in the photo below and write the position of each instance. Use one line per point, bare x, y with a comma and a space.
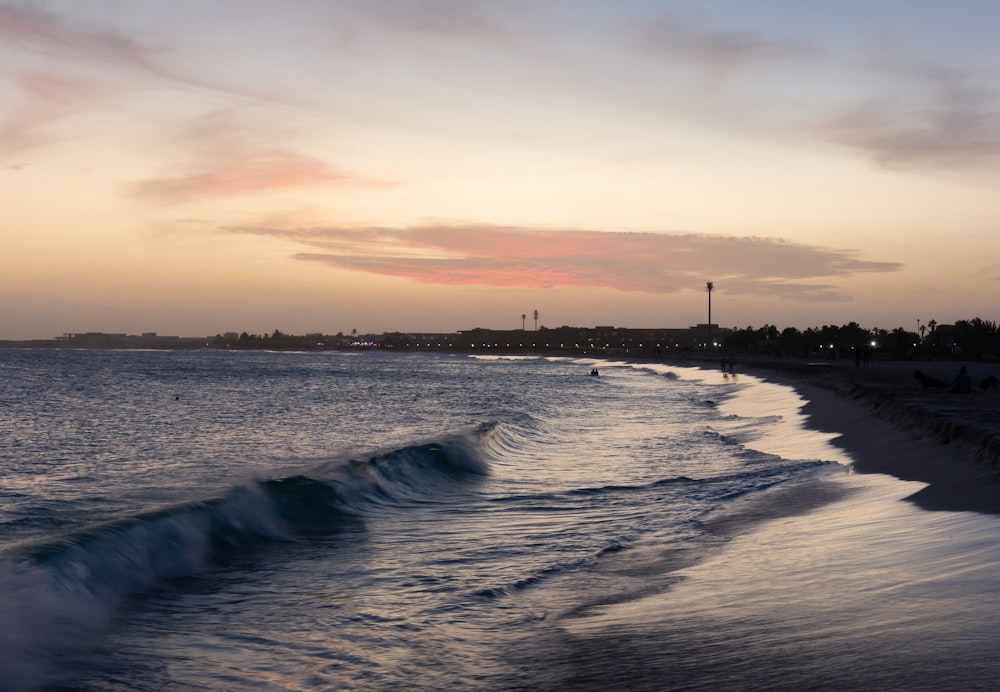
117, 340
705, 332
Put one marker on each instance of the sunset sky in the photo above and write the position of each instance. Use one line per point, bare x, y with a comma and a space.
195, 167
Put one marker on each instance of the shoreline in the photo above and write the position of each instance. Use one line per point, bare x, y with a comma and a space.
860, 592
888, 424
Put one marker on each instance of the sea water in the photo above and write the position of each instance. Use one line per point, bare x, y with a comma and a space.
298, 521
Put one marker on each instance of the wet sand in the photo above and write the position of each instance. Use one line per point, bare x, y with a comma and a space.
866, 592
889, 424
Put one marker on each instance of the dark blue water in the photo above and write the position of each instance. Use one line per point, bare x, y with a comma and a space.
214, 520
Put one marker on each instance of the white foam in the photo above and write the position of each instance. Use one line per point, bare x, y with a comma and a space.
868, 587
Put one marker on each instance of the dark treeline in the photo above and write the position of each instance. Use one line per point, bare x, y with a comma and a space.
975, 339
972, 339
278, 340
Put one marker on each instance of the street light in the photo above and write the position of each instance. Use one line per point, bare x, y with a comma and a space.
709, 285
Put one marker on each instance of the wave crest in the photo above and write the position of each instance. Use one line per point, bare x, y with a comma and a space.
74, 584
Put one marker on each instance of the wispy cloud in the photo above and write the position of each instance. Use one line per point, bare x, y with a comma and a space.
39, 101
40, 31
716, 52
77, 67
898, 111
246, 172
991, 272
497, 256
442, 18
225, 153
70, 73
929, 117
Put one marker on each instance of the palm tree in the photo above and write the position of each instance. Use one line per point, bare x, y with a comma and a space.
523, 317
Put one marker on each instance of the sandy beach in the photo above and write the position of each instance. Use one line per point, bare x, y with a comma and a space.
890, 424
861, 592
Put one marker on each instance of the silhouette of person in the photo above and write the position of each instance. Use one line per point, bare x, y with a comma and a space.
962, 383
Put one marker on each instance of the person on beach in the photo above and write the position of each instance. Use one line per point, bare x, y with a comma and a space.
962, 383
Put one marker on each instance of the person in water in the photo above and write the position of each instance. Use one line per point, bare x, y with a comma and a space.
962, 383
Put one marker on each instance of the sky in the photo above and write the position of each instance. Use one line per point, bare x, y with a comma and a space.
201, 166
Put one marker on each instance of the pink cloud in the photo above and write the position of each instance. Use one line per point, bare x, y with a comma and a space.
483, 255
240, 173
41, 101
107, 54
46, 33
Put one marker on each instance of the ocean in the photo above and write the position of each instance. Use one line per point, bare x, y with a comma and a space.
212, 520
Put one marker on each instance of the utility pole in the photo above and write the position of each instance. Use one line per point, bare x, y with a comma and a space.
709, 285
